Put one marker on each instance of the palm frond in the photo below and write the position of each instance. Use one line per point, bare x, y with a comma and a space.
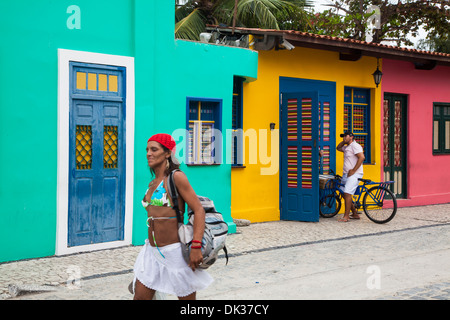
182, 11
269, 13
301, 3
258, 13
191, 26
223, 11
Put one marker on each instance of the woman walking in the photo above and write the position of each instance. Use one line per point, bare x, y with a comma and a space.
160, 265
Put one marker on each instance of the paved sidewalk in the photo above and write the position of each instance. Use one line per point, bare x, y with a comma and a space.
257, 237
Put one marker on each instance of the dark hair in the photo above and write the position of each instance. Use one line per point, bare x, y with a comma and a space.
172, 164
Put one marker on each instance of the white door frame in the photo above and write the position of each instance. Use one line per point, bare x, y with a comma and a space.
62, 207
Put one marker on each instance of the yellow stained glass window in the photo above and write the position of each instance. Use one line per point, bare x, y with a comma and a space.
81, 80
102, 82
110, 147
113, 83
83, 147
92, 81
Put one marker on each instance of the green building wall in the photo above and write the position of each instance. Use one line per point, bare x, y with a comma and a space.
166, 72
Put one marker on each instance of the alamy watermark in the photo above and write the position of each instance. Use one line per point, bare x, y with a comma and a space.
236, 147
73, 277
373, 21
374, 280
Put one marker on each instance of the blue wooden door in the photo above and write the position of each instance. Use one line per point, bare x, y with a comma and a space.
299, 156
327, 115
97, 167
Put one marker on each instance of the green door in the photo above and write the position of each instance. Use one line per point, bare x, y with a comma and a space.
394, 142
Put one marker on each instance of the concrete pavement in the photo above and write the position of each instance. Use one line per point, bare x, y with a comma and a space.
258, 238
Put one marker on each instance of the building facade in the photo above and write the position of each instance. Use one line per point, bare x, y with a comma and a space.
84, 85
310, 95
312, 88
416, 131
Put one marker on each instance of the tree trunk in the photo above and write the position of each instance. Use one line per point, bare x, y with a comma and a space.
234, 15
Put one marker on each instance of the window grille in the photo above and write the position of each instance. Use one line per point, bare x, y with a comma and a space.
357, 117
324, 129
83, 147
110, 147
204, 118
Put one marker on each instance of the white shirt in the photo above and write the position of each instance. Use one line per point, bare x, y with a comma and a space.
350, 158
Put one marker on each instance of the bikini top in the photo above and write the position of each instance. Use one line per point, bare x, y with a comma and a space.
159, 197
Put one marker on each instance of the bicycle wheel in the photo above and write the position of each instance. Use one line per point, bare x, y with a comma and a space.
380, 204
330, 205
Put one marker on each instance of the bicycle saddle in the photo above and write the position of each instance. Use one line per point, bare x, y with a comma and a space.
365, 180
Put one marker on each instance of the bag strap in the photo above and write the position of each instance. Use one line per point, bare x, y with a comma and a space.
174, 195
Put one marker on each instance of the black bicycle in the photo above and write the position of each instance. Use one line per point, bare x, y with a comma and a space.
378, 202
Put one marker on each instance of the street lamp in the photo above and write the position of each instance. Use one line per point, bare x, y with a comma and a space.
377, 75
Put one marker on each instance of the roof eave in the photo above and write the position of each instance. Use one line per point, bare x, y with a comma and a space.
349, 48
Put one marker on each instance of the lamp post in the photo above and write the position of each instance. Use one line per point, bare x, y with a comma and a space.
377, 75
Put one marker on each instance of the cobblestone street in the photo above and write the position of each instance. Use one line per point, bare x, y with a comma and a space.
437, 291
262, 239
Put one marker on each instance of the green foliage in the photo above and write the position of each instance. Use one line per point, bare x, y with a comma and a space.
346, 18
266, 14
190, 26
439, 44
399, 20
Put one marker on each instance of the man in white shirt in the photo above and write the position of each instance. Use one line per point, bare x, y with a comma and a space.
353, 170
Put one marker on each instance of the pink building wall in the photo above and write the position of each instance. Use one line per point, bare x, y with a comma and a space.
428, 175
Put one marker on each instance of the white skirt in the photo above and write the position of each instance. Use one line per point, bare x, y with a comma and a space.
170, 274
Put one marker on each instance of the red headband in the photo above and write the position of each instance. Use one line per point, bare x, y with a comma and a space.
164, 139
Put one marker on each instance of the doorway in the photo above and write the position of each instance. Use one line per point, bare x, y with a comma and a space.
394, 142
96, 154
307, 114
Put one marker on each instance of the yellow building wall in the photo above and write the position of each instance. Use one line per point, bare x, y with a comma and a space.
255, 195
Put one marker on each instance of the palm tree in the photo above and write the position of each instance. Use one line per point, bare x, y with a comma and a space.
191, 16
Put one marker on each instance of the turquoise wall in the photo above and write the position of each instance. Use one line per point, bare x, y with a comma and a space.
186, 69
31, 32
166, 71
